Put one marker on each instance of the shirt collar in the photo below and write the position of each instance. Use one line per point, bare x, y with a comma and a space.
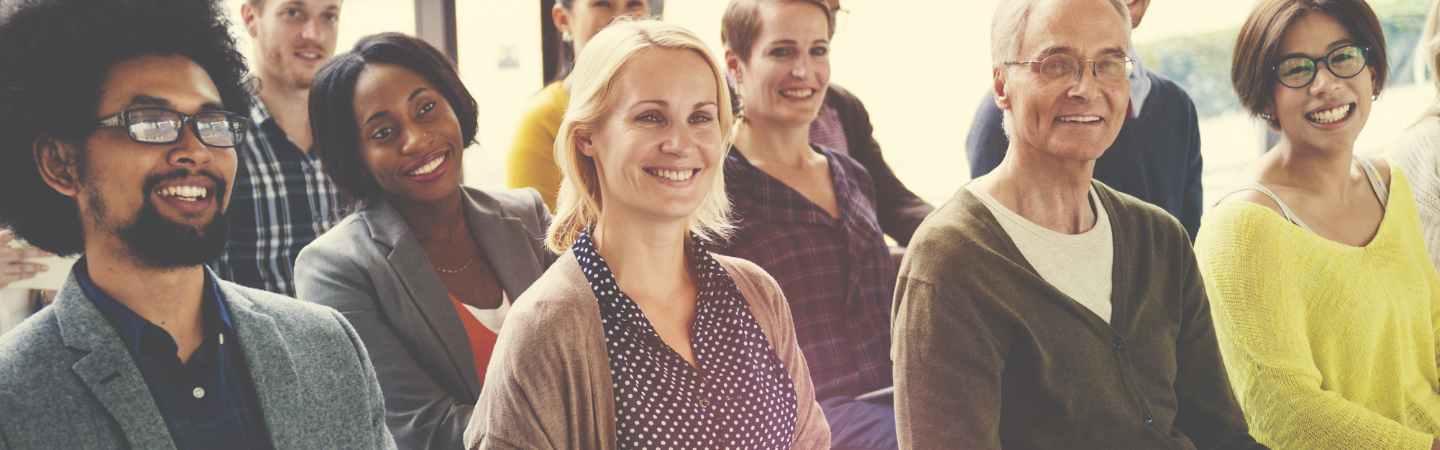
1139, 84
258, 113
773, 200
132, 328
706, 269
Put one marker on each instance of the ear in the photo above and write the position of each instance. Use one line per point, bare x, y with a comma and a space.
1002, 97
249, 15
585, 143
58, 164
560, 17
732, 65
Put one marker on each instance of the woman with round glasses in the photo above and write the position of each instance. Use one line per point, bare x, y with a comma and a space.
1418, 151
1325, 303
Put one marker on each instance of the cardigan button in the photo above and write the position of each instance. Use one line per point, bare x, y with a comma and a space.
1149, 420
1119, 344
704, 403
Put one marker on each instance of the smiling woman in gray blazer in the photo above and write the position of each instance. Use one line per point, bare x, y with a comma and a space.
425, 269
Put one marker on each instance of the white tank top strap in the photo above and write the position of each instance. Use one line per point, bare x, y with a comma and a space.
1284, 209
1377, 183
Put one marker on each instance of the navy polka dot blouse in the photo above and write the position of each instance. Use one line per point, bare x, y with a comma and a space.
740, 396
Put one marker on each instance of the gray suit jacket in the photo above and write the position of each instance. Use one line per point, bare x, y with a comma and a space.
67, 381
372, 269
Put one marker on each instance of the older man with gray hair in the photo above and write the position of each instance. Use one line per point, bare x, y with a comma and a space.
1078, 318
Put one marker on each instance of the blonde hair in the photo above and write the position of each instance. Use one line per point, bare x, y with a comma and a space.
592, 90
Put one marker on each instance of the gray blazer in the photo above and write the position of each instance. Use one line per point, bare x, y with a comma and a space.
372, 269
67, 381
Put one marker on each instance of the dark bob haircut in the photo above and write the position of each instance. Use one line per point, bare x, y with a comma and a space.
332, 104
1257, 50
54, 56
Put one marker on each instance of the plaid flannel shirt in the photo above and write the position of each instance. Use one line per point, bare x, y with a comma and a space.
837, 273
282, 200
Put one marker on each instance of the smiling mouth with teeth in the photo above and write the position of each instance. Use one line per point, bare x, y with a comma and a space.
1331, 115
1079, 119
673, 174
429, 167
799, 93
185, 193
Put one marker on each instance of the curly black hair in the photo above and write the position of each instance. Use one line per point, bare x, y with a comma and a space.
332, 104
55, 56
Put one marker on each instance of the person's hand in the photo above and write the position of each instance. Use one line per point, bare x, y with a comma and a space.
15, 264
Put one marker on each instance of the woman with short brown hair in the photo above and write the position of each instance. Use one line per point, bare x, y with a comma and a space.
1323, 297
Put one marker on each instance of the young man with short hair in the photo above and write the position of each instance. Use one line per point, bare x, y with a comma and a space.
283, 198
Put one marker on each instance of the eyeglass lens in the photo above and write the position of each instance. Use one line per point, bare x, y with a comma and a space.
159, 126
1299, 71
1060, 65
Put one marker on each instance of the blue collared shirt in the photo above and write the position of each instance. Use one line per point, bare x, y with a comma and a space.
207, 402
1139, 84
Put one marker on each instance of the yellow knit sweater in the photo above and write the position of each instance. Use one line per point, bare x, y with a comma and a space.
531, 162
1328, 346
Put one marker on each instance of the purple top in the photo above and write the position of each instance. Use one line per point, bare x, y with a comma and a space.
836, 273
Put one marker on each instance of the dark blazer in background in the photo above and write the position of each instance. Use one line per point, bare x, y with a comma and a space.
371, 267
899, 210
67, 380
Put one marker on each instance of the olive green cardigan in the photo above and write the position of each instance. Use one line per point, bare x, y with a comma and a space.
549, 387
989, 355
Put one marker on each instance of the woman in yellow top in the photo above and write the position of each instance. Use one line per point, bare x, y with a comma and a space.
532, 154
1323, 297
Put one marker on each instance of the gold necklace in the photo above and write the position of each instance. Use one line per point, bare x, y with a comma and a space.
456, 270
468, 262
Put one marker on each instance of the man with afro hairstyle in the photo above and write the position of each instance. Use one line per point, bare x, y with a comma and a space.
117, 136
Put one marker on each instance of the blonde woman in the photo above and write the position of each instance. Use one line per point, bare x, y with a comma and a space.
638, 336
1417, 152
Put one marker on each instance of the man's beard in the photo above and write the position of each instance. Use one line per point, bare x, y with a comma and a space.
160, 243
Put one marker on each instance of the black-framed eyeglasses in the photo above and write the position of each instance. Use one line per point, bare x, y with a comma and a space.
1298, 71
1057, 66
156, 125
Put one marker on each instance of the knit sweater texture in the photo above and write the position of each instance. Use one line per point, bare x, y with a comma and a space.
1328, 346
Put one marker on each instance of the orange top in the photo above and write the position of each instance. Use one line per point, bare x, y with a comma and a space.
482, 339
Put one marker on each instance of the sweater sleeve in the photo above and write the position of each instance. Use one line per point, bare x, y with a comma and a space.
1435, 310
535, 388
531, 161
811, 428
948, 369
1193, 200
1208, 413
1260, 324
